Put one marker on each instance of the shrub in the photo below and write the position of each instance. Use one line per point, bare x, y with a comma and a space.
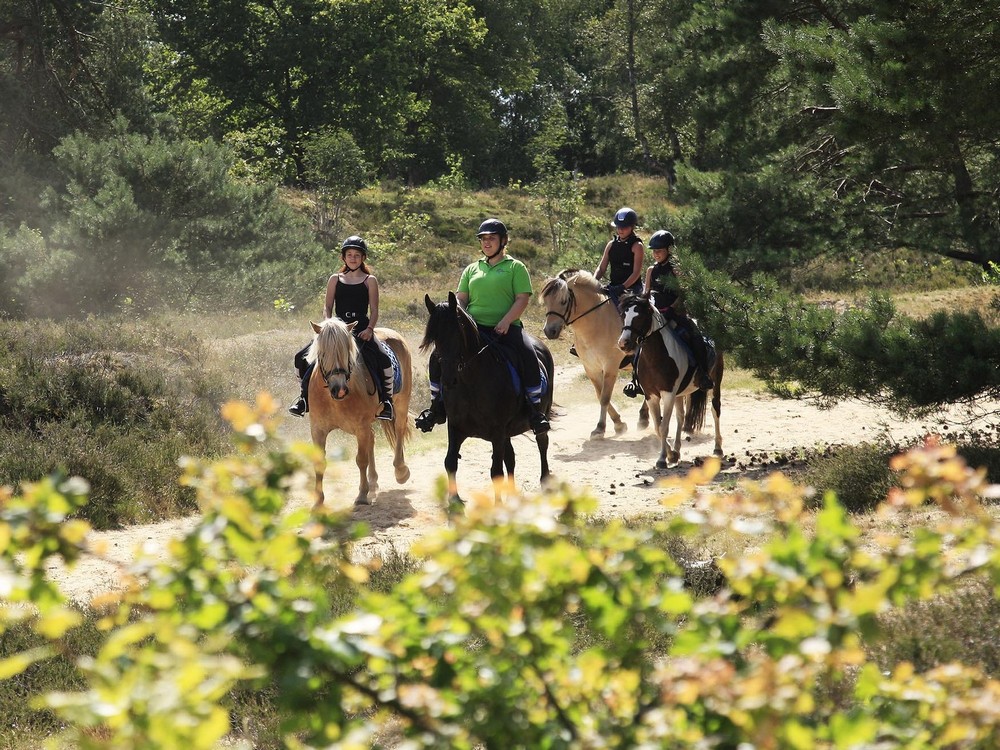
481, 644
858, 475
114, 402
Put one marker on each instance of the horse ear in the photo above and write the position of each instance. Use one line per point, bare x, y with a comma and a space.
350, 326
427, 301
452, 300
316, 327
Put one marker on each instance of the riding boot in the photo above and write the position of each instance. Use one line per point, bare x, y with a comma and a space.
387, 413
632, 389
705, 382
431, 416
537, 419
300, 408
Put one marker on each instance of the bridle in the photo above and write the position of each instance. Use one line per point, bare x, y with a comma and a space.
640, 337
570, 304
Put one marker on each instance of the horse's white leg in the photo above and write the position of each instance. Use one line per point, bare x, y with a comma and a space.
716, 409
680, 408
398, 458
663, 430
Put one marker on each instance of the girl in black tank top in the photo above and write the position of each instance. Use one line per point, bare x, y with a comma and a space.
352, 295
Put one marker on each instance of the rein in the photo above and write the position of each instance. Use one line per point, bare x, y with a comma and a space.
572, 302
640, 337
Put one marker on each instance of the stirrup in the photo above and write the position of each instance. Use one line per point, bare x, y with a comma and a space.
387, 413
632, 389
299, 408
433, 415
539, 422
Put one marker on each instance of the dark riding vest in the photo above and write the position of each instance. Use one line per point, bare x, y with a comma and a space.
620, 259
351, 304
664, 284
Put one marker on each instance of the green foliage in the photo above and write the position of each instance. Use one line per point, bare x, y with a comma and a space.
338, 168
522, 625
858, 475
115, 402
150, 219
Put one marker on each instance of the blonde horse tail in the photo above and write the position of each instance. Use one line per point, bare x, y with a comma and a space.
695, 417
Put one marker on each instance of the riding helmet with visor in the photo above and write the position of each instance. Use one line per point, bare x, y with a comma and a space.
492, 226
358, 243
660, 240
626, 217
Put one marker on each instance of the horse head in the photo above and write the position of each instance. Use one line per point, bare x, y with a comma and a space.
559, 300
335, 351
450, 330
638, 319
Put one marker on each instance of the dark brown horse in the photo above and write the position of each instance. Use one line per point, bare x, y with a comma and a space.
667, 376
479, 394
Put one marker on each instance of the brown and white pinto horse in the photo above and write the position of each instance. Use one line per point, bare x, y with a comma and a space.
667, 376
575, 298
343, 396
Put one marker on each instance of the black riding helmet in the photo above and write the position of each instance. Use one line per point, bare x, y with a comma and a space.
661, 239
492, 226
358, 243
625, 217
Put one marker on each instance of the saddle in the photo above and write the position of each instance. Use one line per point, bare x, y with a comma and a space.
508, 358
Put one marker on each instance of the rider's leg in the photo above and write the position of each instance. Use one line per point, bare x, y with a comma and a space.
531, 376
301, 406
387, 412
700, 351
435, 413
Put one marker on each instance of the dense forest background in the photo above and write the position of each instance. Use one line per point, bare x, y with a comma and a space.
157, 151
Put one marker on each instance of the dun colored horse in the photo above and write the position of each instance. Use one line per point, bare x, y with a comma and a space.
575, 298
343, 396
666, 374
479, 393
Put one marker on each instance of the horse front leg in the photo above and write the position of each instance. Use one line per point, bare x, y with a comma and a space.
365, 459
319, 440
503, 454
662, 424
455, 504
608, 382
543, 456
680, 407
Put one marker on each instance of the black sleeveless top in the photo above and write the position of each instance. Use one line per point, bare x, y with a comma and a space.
620, 260
351, 303
664, 286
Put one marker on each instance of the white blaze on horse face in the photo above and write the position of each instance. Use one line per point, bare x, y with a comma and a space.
625, 340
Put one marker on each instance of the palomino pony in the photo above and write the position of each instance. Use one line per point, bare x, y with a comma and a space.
479, 394
575, 298
343, 396
667, 375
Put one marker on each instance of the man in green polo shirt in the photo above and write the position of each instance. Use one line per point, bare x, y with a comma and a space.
495, 290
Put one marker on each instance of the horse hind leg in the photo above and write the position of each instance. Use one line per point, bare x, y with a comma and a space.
716, 413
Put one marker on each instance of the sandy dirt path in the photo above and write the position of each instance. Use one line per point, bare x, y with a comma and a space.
618, 470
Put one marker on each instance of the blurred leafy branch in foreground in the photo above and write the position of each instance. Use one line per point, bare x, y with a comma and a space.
522, 626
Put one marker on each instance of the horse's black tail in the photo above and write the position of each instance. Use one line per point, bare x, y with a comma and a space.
695, 417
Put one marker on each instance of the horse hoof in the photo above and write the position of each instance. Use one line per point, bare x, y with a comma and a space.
661, 464
718, 452
621, 428
402, 474
456, 506
363, 500
642, 424
597, 433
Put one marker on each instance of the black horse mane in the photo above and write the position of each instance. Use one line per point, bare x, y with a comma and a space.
436, 329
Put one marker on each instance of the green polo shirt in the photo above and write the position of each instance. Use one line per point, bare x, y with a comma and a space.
492, 289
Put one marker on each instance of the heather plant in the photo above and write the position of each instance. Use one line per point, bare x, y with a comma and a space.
522, 625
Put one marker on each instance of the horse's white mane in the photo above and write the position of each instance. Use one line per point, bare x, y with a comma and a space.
334, 343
